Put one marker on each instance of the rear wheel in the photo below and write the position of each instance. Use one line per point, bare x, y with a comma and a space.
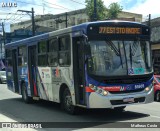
157, 96
25, 96
67, 103
0, 81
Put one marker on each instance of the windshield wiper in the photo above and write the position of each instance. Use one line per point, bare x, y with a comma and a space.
120, 54
134, 48
113, 47
130, 50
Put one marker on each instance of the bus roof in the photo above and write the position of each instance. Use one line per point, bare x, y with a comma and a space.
81, 27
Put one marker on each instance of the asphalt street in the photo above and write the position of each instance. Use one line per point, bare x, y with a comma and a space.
13, 109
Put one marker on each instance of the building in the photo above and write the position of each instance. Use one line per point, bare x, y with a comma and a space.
72, 18
155, 39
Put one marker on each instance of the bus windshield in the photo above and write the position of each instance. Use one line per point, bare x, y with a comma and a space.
119, 58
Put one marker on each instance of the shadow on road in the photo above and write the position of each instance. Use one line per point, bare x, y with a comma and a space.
44, 111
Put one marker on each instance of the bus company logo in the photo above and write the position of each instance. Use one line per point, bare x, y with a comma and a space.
57, 72
123, 88
8, 4
128, 88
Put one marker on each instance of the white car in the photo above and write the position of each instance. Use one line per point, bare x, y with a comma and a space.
2, 77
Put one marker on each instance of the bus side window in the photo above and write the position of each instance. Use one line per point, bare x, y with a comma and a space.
53, 52
8, 58
64, 50
42, 53
22, 56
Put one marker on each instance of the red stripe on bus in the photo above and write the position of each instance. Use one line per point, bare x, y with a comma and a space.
88, 89
112, 88
35, 89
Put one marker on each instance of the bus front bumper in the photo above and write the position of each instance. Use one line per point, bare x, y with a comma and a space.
96, 100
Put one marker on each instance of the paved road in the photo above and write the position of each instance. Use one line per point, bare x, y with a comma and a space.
13, 109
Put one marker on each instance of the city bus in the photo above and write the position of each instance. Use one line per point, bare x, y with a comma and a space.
102, 64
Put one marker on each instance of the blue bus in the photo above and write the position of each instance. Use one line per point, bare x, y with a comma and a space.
103, 64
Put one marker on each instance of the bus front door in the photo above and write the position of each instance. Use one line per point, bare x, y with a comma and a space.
15, 71
78, 69
32, 53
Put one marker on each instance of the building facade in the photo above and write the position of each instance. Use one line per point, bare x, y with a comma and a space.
72, 18
155, 39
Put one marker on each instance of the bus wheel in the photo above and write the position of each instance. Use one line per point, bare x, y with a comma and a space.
67, 102
157, 96
25, 96
119, 109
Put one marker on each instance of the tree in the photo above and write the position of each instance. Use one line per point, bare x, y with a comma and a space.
113, 10
101, 10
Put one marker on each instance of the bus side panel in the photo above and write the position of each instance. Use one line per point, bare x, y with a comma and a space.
44, 83
10, 82
49, 81
62, 76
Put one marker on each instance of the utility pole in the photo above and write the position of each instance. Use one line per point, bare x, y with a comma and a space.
4, 38
58, 20
95, 10
33, 22
4, 35
149, 20
66, 20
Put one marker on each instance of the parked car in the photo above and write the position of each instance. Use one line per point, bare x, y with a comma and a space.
157, 87
2, 77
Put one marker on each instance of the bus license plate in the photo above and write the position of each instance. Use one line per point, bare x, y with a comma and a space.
129, 99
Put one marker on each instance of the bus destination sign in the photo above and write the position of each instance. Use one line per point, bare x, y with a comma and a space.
119, 30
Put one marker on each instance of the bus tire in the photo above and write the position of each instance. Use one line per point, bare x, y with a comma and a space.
157, 96
119, 109
1, 81
25, 96
67, 102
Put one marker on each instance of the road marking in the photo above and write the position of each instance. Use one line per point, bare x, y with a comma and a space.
155, 116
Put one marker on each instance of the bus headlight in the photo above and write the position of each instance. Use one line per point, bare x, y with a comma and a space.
98, 90
105, 93
147, 89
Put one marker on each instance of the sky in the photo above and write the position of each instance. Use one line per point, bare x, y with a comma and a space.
144, 7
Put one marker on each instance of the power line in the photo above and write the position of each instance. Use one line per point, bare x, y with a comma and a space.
42, 5
57, 5
2, 13
15, 19
77, 2
13, 15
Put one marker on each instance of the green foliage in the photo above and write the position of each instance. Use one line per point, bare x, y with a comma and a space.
113, 10
101, 9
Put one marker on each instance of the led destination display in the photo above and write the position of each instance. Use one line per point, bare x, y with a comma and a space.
119, 30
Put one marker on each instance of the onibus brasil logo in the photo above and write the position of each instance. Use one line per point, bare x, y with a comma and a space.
8, 4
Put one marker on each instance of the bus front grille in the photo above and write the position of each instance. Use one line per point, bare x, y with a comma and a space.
120, 102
